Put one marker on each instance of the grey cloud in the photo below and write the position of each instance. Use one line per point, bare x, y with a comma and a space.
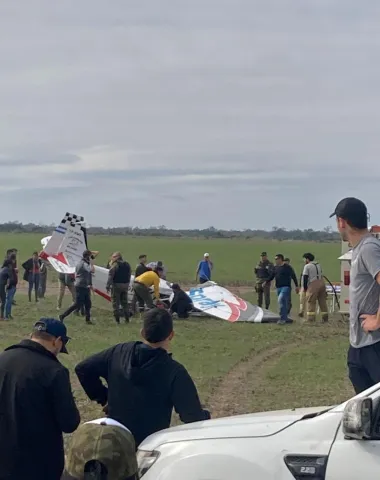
214, 89
42, 158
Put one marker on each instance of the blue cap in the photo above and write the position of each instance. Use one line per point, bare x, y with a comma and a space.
53, 327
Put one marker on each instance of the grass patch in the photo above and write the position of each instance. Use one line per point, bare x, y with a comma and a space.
234, 259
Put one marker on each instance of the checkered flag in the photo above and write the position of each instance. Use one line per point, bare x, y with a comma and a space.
72, 219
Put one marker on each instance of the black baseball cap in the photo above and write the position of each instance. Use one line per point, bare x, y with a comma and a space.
55, 328
354, 211
263, 254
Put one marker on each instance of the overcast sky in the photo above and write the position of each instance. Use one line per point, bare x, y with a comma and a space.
189, 113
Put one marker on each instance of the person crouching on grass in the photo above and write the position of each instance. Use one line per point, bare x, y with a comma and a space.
181, 303
144, 382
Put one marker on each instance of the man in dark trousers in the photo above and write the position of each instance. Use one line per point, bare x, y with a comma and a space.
32, 275
287, 261
36, 405
181, 303
12, 255
364, 352
263, 271
140, 269
83, 285
283, 275
141, 287
144, 383
119, 277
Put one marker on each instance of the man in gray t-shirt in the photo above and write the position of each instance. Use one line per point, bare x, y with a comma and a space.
364, 291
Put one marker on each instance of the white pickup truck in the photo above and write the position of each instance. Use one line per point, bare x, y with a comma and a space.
325, 443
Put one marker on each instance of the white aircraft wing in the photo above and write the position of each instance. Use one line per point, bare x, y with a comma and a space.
219, 302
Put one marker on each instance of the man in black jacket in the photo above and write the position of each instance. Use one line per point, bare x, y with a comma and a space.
119, 277
181, 303
142, 267
144, 382
36, 405
283, 275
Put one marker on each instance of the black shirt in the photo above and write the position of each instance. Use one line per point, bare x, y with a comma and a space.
143, 386
36, 406
140, 269
283, 275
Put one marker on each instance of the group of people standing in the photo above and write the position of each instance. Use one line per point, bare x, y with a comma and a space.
144, 384
35, 273
311, 286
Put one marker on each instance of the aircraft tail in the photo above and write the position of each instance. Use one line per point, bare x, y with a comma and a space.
65, 247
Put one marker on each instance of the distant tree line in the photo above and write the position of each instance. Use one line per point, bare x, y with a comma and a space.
277, 233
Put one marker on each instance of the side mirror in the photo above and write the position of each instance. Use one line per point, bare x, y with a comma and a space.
357, 419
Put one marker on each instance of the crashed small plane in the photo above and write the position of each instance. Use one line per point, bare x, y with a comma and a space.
65, 247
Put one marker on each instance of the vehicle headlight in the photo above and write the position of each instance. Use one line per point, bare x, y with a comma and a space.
145, 460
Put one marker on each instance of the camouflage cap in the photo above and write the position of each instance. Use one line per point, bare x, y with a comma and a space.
112, 445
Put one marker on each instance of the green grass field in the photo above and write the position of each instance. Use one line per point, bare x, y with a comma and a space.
233, 259
238, 368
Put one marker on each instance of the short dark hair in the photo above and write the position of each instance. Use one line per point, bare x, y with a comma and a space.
157, 325
43, 336
176, 286
354, 211
35, 253
142, 256
280, 256
87, 253
309, 256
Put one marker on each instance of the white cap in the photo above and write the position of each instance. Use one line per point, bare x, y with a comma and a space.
206, 255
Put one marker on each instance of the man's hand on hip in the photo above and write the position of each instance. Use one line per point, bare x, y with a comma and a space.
370, 323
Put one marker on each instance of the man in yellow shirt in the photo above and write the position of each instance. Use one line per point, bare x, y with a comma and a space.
142, 285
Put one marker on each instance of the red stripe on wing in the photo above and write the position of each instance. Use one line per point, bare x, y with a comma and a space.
236, 309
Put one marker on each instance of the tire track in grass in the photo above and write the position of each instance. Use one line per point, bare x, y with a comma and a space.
233, 394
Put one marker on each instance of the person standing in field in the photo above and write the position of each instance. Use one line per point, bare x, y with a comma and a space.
65, 280
12, 254
83, 284
283, 275
36, 405
263, 271
287, 262
314, 288
204, 269
43, 280
8, 284
144, 382
363, 357
119, 277
142, 266
32, 275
